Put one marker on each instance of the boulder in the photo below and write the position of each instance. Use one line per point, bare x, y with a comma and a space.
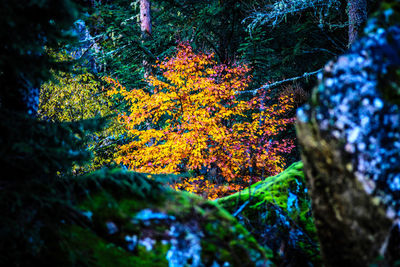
134, 221
277, 211
350, 139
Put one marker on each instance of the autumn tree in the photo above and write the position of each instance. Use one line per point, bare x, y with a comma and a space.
198, 124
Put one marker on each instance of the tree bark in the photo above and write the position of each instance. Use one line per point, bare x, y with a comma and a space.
357, 12
145, 27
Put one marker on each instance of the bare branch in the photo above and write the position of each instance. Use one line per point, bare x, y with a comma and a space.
271, 85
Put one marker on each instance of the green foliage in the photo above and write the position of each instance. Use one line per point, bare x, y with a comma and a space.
301, 43
208, 25
26, 28
115, 25
35, 197
254, 49
297, 45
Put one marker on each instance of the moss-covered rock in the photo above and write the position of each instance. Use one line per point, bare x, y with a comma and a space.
277, 211
350, 138
132, 220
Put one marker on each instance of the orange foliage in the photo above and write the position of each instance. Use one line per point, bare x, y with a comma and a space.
194, 121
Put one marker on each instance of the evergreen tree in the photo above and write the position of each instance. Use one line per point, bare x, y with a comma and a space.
26, 29
35, 156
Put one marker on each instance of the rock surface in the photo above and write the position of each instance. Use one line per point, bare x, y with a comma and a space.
277, 211
350, 138
138, 223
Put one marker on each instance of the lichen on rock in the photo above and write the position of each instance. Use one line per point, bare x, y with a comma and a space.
350, 138
150, 224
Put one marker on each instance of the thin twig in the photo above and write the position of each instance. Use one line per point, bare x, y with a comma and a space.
241, 208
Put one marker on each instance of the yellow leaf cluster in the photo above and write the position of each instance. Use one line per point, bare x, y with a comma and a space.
75, 97
193, 120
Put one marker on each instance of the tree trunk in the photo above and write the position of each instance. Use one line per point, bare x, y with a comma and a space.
145, 27
357, 10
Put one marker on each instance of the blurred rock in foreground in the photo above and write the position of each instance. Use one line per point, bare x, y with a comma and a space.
350, 138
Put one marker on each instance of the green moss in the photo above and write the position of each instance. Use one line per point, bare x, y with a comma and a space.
87, 248
222, 238
229, 240
268, 188
276, 206
272, 190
